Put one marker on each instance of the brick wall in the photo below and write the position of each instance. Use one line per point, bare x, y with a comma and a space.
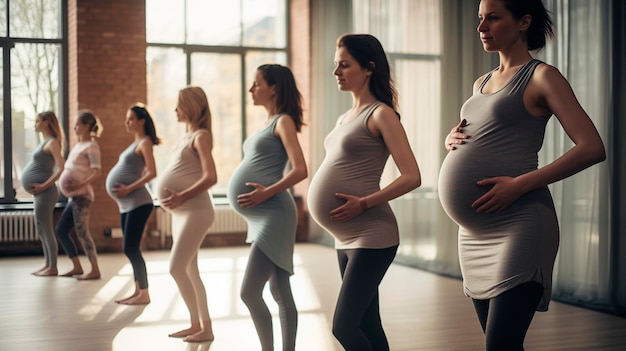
107, 51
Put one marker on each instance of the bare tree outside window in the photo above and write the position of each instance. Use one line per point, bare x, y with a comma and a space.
34, 40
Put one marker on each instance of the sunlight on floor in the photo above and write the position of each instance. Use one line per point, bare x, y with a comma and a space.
232, 325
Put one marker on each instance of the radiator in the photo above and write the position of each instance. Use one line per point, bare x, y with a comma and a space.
17, 226
226, 221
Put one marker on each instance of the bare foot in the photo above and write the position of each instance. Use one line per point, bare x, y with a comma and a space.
137, 299
89, 276
201, 336
127, 298
73, 272
39, 270
48, 272
185, 332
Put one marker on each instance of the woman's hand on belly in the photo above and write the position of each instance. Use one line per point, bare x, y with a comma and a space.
36, 188
505, 191
255, 197
350, 209
120, 190
173, 200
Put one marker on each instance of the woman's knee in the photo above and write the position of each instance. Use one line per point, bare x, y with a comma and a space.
250, 294
132, 252
343, 332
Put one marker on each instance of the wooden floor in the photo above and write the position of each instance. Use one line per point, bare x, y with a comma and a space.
420, 310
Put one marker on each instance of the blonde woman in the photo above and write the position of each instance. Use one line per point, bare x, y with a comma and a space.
38, 179
183, 190
81, 169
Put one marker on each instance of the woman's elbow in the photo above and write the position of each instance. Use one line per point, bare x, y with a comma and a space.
151, 175
302, 174
598, 153
211, 180
417, 182
413, 181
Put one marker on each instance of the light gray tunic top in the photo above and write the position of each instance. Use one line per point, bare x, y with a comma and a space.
127, 170
499, 251
271, 224
353, 165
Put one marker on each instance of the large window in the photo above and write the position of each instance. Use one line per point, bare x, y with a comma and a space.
32, 61
216, 45
416, 65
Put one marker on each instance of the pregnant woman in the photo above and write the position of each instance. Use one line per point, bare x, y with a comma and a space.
183, 190
258, 190
81, 168
345, 196
490, 183
126, 184
38, 178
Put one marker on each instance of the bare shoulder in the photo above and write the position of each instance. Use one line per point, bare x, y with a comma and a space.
384, 112
546, 74
203, 138
285, 121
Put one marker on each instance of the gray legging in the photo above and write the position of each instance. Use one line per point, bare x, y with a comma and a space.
44, 208
260, 269
76, 215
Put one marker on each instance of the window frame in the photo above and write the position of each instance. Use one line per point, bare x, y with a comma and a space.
6, 44
240, 50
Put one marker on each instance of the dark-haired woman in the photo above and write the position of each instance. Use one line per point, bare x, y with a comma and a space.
345, 196
490, 183
126, 184
81, 168
258, 190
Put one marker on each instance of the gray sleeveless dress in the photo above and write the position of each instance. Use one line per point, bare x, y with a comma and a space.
271, 224
127, 170
499, 251
353, 165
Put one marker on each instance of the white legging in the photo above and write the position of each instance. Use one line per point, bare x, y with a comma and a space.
188, 231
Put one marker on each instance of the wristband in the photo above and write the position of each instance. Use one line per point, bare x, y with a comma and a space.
363, 203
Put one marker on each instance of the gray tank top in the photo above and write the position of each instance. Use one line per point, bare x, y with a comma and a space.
501, 250
127, 170
39, 167
353, 165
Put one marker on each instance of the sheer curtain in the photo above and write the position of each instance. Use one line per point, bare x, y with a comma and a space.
580, 51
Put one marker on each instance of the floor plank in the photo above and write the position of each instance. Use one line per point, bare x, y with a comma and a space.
420, 310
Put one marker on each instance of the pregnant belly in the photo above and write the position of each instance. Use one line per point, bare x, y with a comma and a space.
321, 197
458, 189
117, 178
237, 186
70, 177
31, 176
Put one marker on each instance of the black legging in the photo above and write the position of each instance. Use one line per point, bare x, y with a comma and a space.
505, 319
260, 269
133, 224
357, 323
